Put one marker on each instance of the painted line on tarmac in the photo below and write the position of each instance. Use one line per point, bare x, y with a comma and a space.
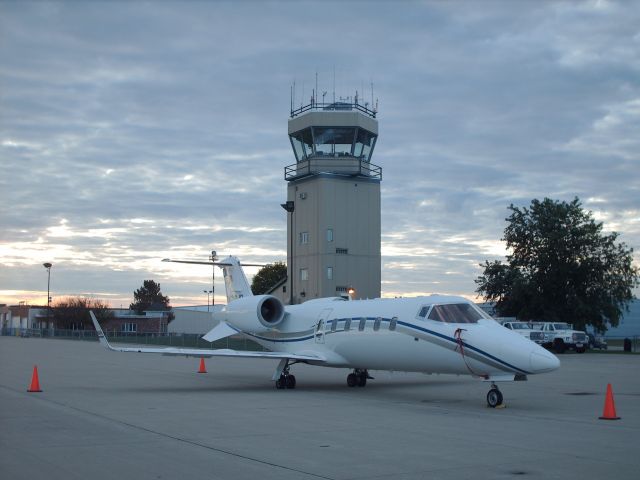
166, 435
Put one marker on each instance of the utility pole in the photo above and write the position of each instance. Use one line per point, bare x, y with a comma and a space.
48, 266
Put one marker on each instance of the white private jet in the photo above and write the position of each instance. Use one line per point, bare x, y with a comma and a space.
434, 334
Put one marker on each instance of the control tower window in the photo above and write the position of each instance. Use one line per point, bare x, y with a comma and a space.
333, 142
364, 144
302, 143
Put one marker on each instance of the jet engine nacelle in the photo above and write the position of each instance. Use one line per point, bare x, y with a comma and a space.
258, 313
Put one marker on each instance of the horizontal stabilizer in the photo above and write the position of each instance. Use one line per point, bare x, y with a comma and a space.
222, 330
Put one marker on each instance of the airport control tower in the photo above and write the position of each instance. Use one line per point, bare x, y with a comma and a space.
333, 200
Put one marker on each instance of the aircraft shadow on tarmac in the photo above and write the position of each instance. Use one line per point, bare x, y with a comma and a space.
373, 389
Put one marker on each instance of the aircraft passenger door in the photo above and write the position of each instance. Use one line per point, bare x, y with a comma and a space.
322, 322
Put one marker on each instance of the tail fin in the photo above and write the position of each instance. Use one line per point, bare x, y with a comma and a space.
235, 281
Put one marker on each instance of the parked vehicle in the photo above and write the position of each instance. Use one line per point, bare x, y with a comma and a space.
596, 341
560, 336
526, 330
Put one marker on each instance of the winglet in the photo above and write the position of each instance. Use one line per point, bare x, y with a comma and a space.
101, 336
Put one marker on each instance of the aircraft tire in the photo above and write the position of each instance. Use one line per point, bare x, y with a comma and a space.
352, 380
280, 383
290, 381
494, 398
362, 380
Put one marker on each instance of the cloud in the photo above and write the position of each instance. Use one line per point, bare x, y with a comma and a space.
122, 145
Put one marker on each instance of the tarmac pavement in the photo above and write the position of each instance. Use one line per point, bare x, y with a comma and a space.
105, 415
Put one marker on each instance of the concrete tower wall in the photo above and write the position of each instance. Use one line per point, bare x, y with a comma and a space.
339, 219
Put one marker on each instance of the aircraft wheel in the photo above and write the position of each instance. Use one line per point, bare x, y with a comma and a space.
291, 381
280, 383
362, 380
352, 379
494, 398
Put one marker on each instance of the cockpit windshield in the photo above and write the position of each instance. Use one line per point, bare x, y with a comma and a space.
455, 313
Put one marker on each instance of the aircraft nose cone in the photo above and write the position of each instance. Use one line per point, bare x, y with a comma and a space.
543, 361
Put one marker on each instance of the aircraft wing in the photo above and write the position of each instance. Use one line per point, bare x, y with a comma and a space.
200, 352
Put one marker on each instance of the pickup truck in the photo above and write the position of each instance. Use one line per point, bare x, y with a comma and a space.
526, 330
561, 336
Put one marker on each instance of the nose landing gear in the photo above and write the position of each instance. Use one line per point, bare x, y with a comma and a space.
494, 397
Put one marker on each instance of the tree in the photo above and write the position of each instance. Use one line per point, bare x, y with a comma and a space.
149, 297
72, 313
561, 267
267, 277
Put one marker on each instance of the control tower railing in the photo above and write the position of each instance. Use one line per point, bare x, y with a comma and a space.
349, 166
335, 106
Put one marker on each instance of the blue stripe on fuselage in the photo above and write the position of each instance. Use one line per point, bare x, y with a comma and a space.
405, 324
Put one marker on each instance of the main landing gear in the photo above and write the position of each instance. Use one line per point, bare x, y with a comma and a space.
358, 377
494, 397
286, 380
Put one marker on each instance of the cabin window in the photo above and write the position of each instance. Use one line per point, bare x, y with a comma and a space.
393, 323
363, 322
334, 324
376, 324
347, 325
455, 313
423, 312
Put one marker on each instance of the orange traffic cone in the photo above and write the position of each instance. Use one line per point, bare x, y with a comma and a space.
35, 383
609, 412
202, 368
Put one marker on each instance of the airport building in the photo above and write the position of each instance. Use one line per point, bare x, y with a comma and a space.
333, 203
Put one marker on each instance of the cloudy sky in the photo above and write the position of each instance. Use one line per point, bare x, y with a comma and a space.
135, 131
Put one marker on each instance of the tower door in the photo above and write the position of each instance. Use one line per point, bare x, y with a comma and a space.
322, 322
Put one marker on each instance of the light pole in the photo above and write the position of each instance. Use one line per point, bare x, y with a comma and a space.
213, 257
289, 206
208, 292
48, 266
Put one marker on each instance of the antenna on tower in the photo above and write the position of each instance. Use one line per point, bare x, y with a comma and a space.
371, 94
334, 84
315, 92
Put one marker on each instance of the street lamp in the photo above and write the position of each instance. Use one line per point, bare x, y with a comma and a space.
208, 292
289, 206
213, 257
48, 266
